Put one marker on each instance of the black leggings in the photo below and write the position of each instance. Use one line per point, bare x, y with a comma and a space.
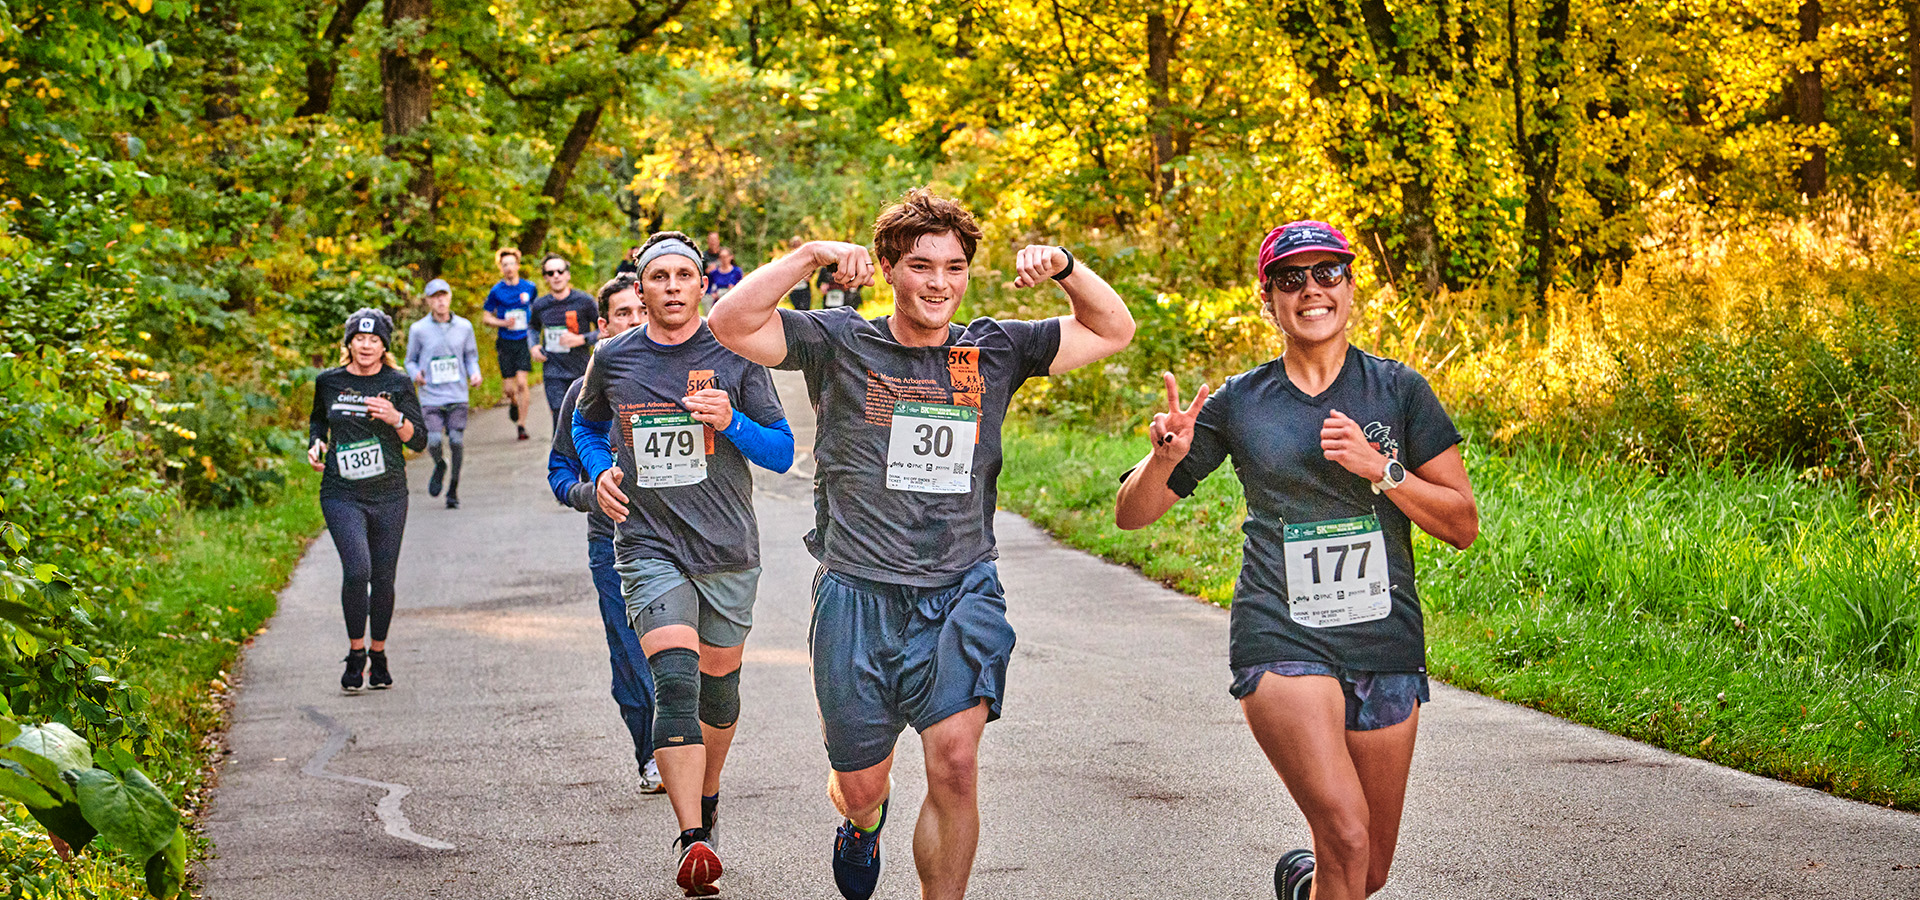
367, 534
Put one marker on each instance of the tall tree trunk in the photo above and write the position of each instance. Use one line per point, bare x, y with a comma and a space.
1539, 146
1159, 85
1810, 103
406, 83
323, 69
534, 237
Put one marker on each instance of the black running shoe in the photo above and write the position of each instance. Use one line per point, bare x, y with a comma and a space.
699, 865
709, 814
453, 500
523, 432
356, 663
439, 475
856, 858
1293, 875
378, 678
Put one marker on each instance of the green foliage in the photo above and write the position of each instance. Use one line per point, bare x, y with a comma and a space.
51, 770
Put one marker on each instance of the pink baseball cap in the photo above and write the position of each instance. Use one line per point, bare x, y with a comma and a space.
1295, 238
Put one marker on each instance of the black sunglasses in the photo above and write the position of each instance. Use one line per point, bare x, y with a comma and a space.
554, 271
1289, 279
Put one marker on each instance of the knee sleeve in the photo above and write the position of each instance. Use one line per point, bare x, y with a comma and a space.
720, 699
433, 441
455, 436
676, 697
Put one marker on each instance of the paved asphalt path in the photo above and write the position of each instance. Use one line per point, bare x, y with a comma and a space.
1121, 770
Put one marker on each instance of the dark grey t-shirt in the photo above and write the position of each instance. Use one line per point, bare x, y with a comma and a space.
702, 528
1271, 429
856, 374
576, 312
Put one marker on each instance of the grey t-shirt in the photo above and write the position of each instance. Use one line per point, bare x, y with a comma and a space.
1271, 429
702, 528
856, 373
428, 340
599, 527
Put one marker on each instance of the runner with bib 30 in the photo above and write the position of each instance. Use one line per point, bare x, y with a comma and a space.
364, 411
909, 623
1340, 453
684, 415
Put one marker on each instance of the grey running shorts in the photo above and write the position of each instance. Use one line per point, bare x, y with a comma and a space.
886, 656
1374, 699
718, 606
451, 417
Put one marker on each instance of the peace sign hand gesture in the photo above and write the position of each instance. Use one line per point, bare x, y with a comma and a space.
1172, 431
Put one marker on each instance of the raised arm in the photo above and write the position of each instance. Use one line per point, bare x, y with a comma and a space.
1144, 495
747, 320
1099, 325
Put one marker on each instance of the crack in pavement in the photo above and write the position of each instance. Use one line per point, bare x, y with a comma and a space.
389, 806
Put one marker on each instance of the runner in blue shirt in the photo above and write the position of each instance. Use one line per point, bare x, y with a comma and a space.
509, 307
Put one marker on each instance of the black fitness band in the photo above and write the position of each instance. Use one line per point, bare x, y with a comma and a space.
1063, 273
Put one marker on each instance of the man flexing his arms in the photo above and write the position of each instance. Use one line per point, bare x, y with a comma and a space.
909, 622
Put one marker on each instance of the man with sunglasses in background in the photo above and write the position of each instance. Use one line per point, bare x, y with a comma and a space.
563, 332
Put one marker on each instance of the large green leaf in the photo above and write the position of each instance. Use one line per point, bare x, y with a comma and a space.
129, 811
167, 869
65, 822
56, 742
43, 772
9, 729
16, 783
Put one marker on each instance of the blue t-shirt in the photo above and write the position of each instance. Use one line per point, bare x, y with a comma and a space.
504, 298
718, 281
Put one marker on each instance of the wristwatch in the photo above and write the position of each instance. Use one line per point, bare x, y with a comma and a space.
1391, 478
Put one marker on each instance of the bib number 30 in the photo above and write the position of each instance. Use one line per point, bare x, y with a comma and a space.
930, 449
1337, 572
669, 450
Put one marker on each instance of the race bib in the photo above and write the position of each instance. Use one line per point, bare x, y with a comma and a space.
1337, 572
550, 338
444, 370
669, 450
516, 319
360, 460
930, 449
834, 298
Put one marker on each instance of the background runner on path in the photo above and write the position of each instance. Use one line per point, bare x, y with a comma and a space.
443, 360
562, 332
364, 411
509, 308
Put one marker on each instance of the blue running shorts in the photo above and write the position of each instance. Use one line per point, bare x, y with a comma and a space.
1374, 699
886, 656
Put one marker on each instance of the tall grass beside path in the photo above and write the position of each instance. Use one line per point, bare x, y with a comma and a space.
209, 585
1751, 618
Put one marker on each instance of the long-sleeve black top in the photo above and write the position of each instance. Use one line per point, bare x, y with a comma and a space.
364, 460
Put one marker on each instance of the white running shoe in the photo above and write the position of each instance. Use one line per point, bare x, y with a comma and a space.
650, 782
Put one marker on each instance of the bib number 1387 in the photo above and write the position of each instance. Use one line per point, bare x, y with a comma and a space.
1337, 572
669, 450
930, 449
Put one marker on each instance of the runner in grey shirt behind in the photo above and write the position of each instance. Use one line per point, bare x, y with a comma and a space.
444, 361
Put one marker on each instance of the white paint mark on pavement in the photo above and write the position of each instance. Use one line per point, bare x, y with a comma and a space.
389, 806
